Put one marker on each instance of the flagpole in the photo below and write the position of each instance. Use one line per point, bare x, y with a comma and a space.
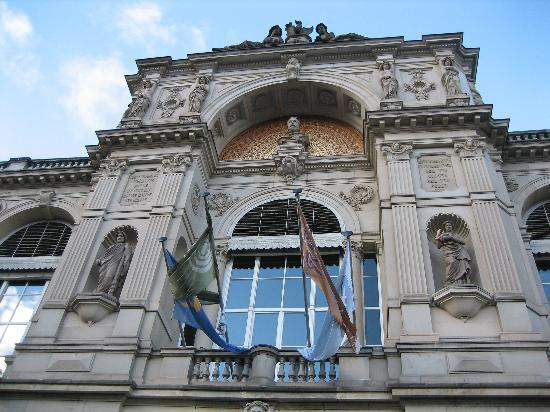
163, 239
216, 270
306, 304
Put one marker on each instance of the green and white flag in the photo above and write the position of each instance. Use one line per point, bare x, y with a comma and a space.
191, 275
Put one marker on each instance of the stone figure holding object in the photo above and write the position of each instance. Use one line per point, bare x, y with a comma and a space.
274, 37
450, 78
198, 94
457, 259
113, 266
388, 81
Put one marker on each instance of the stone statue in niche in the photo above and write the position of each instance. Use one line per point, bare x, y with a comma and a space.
323, 34
388, 81
292, 68
450, 77
274, 37
296, 34
457, 259
198, 94
113, 266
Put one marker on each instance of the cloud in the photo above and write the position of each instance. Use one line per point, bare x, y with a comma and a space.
96, 92
13, 25
143, 23
198, 37
22, 69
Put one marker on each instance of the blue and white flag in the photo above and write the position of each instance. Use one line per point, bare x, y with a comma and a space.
332, 335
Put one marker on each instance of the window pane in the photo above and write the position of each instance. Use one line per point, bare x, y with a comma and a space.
15, 288
332, 264
319, 319
271, 266
547, 291
370, 291
7, 306
26, 308
544, 275
239, 293
13, 335
294, 293
372, 327
293, 266
294, 330
35, 288
243, 267
236, 327
320, 300
265, 329
369, 267
268, 293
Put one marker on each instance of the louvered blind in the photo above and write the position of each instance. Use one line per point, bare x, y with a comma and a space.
538, 222
37, 239
279, 217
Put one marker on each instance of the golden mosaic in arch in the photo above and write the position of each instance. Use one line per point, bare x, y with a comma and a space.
328, 137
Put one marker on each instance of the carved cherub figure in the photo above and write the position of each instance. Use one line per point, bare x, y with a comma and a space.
323, 34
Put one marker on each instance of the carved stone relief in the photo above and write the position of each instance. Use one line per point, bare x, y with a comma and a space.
511, 184
450, 77
353, 106
419, 86
262, 101
327, 98
45, 197
292, 69
397, 151
195, 198
295, 96
296, 33
258, 406
139, 104
139, 189
234, 114
113, 167
177, 163
171, 103
198, 93
359, 195
470, 148
436, 173
388, 81
291, 152
221, 202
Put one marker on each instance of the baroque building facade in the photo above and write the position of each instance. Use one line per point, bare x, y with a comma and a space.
387, 138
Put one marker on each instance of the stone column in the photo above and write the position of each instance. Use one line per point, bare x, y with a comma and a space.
357, 272
495, 252
416, 316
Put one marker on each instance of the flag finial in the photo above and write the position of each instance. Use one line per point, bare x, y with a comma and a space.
347, 233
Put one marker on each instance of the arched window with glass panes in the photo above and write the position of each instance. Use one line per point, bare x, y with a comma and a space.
538, 226
263, 288
27, 259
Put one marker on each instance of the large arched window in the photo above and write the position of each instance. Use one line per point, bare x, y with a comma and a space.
27, 258
538, 226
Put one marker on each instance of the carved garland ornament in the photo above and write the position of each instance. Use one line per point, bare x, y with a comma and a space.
221, 202
359, 195
419, 86
195, 198
113, 167
171, 103
397, 151
470, 148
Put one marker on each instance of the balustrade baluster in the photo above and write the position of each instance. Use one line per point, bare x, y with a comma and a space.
226, 370
292, 370
206, 370
216, 371
302, 370
332, 369
281, 370
311, 371
197, 368
246, 369
322, 371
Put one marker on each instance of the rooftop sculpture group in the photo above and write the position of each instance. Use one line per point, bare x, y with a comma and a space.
295, 34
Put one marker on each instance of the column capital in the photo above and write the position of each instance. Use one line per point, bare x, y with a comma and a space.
396, 151
113, 167
470, 148
176, 163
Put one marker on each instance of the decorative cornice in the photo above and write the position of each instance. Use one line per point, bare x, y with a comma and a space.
527, 145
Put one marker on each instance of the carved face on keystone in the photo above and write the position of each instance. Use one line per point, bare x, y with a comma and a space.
120, 237
293, 124
448, 226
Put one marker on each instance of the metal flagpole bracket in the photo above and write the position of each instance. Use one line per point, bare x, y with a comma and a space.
347, 234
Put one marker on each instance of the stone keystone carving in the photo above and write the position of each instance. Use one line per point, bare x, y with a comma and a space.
397, 151
171, 103
292, 69
419, 86
221, 202
177, 163
113, 265
291, 152
359, 195
296, 34
258, 406
470, 148
198, 93
113, 167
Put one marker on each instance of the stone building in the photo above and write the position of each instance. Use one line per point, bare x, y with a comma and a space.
449, 212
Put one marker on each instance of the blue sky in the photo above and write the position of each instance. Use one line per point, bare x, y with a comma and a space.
62, 62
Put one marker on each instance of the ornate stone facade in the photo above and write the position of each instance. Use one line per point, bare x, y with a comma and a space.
388, 139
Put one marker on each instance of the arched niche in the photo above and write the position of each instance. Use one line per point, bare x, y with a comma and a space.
131, 235
239, 108
460, 230
532, 195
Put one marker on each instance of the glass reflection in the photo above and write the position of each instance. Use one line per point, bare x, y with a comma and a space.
265, 328
268, 293
294, 330
239, 293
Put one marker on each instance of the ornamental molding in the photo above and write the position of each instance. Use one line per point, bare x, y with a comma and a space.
113, 167
195, 198
171, 103
221, 202
511, 184
396, 151
327, 240
470, 148
258, 406
358, 196
176, 163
